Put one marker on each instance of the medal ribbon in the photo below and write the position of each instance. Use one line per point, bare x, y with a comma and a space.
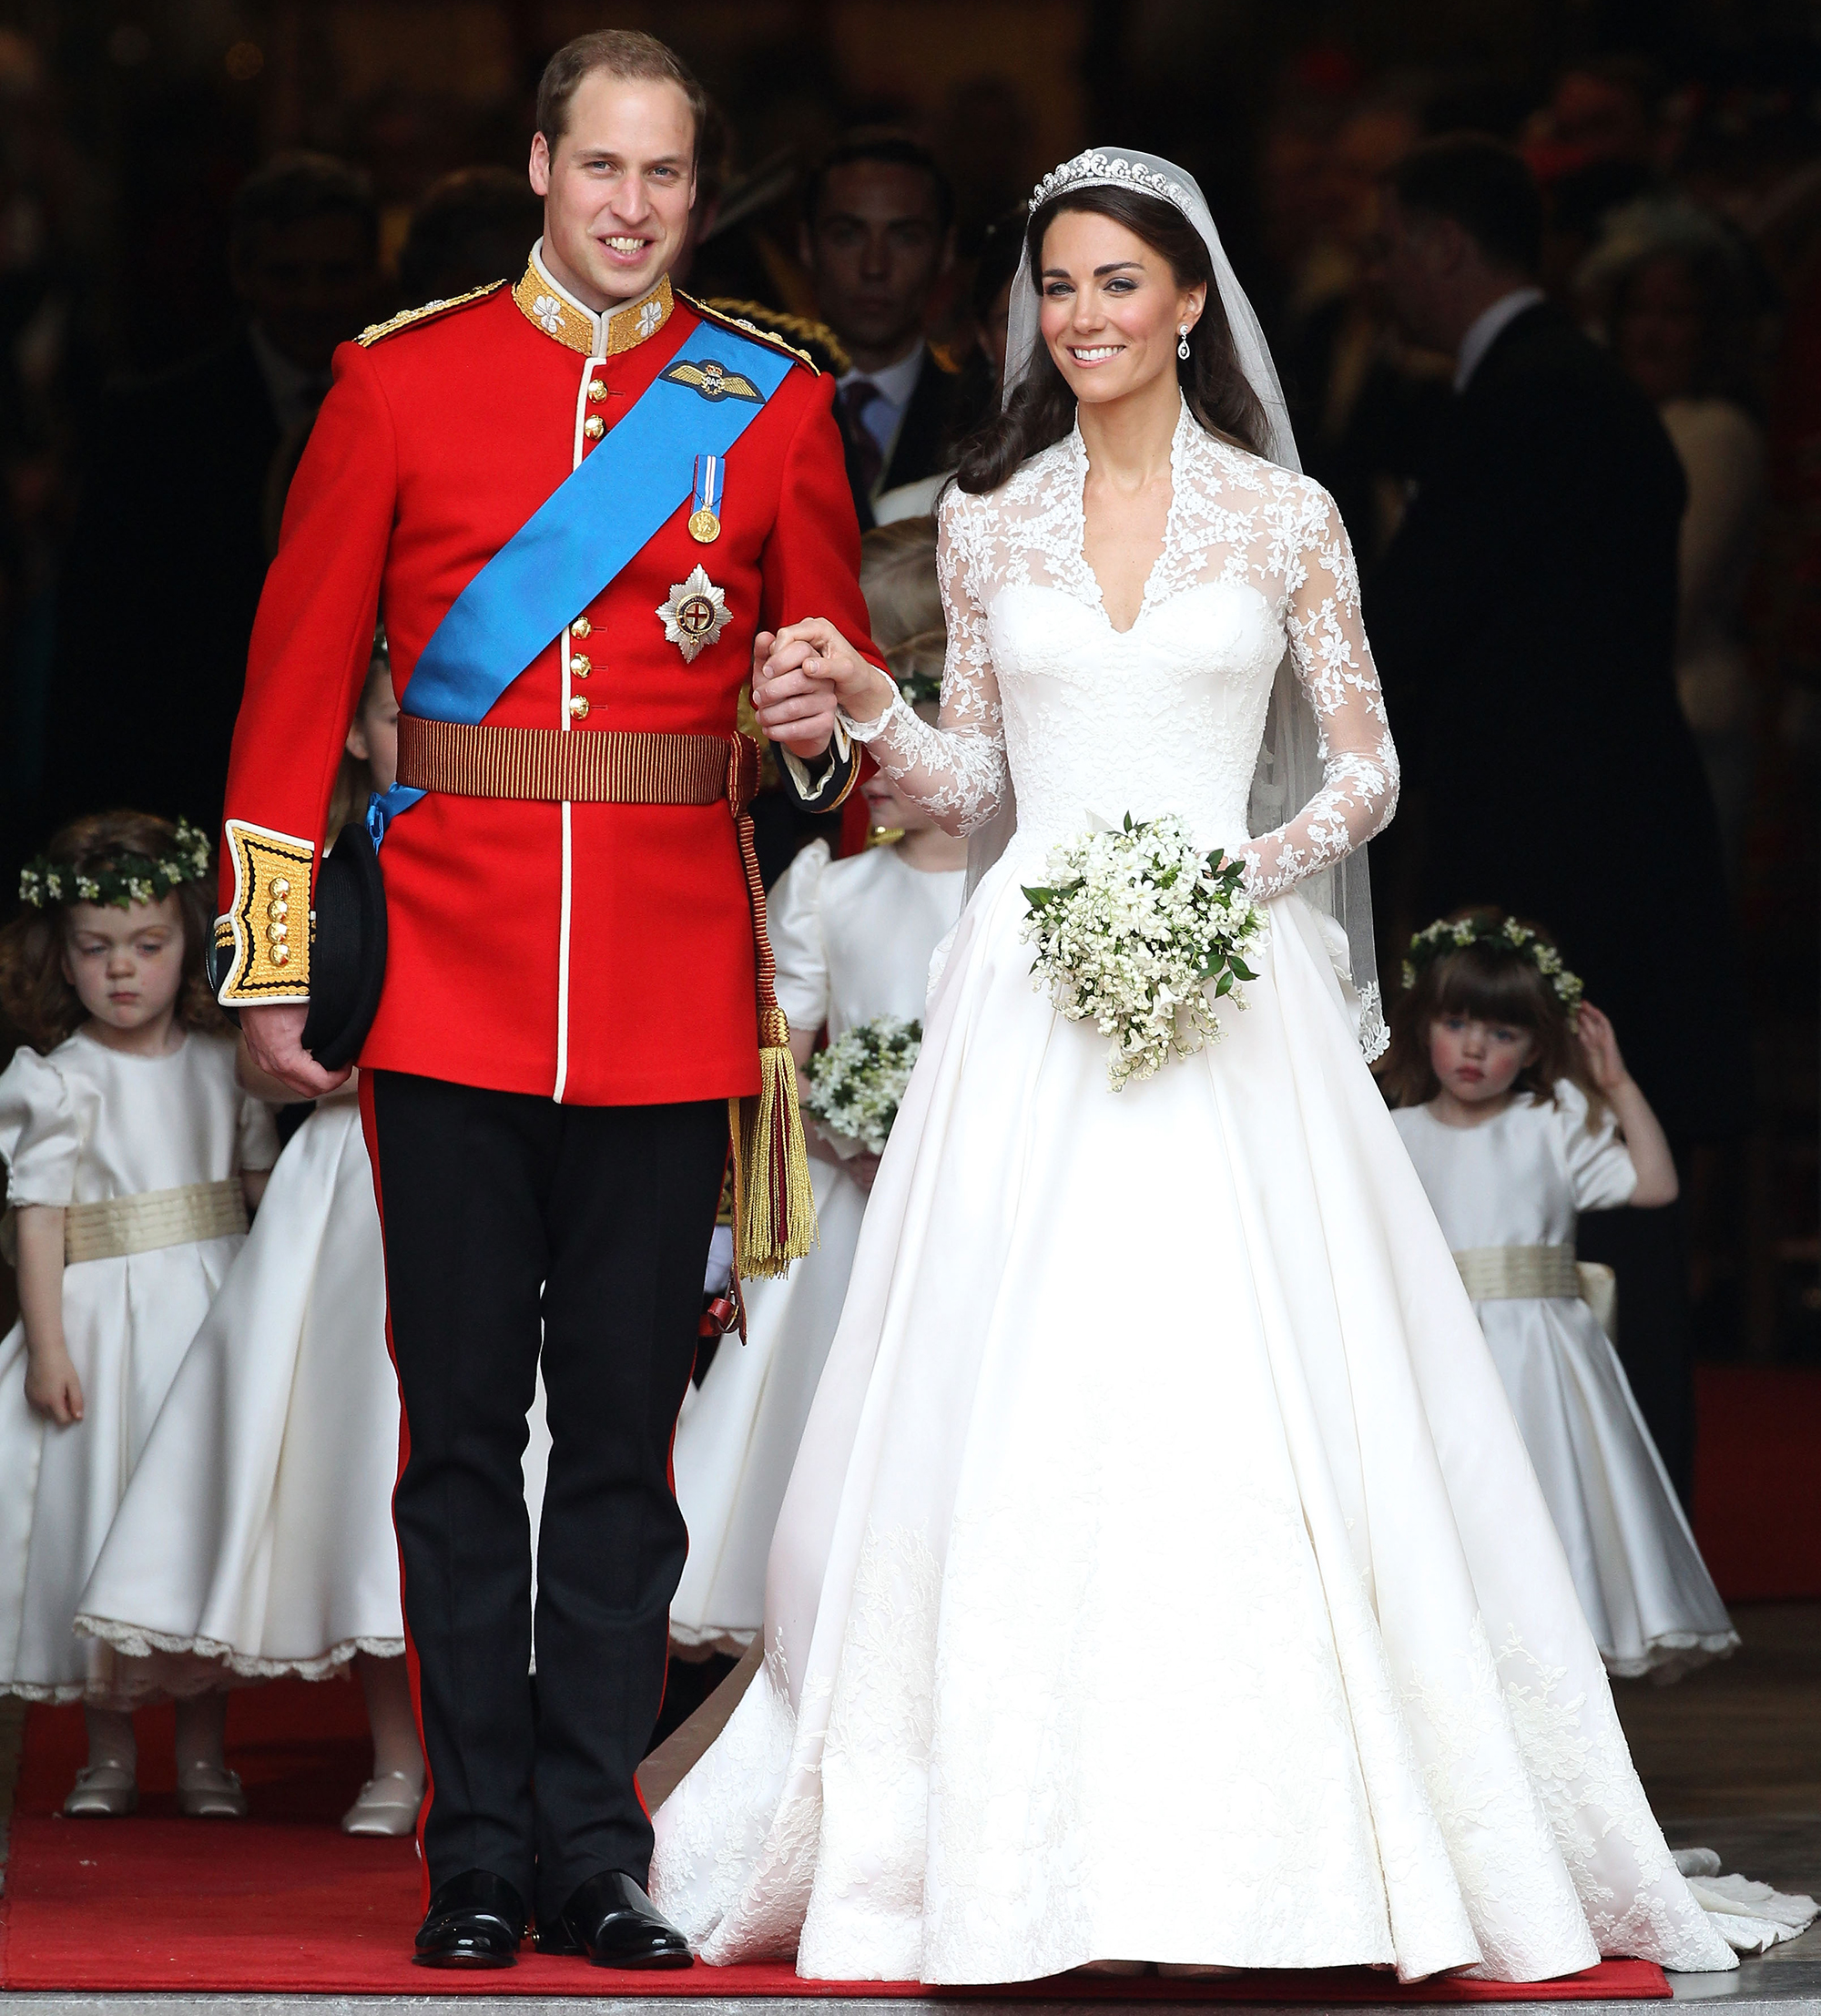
710, 474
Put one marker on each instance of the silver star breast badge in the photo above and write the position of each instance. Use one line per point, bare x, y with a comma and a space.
696, 615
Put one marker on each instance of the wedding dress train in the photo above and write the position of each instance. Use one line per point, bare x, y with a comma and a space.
1161, 1576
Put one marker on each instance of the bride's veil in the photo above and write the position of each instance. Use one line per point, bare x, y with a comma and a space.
1289, 770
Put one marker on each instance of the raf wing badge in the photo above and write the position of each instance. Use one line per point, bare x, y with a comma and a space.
694, 616
713, 381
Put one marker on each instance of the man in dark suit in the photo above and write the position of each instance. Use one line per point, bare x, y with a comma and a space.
181, 504
1523, 620
878, 234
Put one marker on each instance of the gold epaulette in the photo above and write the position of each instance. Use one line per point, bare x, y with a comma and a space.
748, 327
408, 318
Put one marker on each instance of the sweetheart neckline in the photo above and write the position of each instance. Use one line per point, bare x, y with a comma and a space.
1147, 608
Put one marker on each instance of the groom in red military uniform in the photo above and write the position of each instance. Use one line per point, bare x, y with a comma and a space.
574, 500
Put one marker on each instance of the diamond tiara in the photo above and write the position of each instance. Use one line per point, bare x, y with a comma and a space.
1090, 165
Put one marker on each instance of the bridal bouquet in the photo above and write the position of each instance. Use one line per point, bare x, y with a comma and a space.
1136, 930
856, 1083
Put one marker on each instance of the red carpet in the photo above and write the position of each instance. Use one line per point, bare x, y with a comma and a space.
286, 1902
1757, 1484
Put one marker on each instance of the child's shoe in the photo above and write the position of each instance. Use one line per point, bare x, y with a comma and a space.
387, 1806
210, 1792
101, 1792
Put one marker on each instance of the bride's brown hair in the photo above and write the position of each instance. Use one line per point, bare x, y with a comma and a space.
1042, 409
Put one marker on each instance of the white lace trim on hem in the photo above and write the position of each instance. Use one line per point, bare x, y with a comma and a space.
135, 1642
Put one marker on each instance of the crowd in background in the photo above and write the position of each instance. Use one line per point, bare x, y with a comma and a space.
169, 302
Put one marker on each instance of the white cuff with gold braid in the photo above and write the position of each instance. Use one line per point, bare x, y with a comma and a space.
268, 924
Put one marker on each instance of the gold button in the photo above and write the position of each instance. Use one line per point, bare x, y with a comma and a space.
580, 664
578, 706
277, 908
278, 934
281, 955
581, 627
597, 387
280, 886
594, 426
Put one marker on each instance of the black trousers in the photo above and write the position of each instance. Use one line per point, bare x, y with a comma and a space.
515, 1226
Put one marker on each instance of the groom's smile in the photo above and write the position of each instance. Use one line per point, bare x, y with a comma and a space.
618, 182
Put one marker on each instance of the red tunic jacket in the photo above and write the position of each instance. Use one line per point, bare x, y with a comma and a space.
600, 954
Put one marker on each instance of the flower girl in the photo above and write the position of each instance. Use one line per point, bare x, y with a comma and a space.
256, 1539
854, 941
1519, 1114
132, 1154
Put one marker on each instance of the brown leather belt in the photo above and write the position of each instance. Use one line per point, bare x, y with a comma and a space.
773, 1205
586, 765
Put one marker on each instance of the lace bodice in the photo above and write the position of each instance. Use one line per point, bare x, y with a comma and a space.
1087, 722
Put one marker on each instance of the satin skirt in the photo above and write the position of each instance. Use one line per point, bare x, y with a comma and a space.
1648, 1598
737, 1435
1161, 1576
256, 1538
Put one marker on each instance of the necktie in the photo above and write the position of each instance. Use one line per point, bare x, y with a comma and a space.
869, 457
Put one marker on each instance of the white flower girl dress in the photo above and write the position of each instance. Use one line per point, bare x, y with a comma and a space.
86, 1126
256, 1538
1194, 1354
1521, 1180
852, 940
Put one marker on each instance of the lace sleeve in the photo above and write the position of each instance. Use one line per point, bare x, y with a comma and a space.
955, 771
1334, 667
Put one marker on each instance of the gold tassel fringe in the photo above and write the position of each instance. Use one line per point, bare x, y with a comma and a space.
774, 1206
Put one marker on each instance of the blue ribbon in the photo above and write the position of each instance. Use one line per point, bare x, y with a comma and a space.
588, 528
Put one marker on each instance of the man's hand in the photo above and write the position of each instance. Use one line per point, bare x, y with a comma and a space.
799, 675
796, 710
274, 1037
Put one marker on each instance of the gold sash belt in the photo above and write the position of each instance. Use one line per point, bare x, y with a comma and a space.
140, 1223
593, 767
1511, 1273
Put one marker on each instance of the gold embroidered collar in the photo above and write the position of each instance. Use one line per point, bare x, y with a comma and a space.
558, 313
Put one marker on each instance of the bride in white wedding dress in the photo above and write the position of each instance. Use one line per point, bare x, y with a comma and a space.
1162, 1577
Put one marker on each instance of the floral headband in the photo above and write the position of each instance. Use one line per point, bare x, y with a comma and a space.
1447, 935
127, 878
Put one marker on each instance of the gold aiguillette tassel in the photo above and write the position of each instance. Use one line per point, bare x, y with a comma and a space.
774, 1206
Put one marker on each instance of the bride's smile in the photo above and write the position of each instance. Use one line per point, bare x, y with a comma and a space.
1112, 309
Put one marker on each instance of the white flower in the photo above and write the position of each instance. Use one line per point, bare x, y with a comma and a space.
649, 316
549, 312
1136, 928
857, 1083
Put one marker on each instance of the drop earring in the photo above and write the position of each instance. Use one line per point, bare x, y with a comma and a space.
1182, 343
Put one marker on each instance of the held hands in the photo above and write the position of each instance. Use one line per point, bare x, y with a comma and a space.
802, 673
274, 1038
1605, 1066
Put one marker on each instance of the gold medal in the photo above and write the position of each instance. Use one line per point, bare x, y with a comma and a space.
705, 528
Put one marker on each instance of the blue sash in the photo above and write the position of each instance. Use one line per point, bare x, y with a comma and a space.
583, 532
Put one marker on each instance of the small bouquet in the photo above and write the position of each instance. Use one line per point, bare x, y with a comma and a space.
1135, 931
856, 1083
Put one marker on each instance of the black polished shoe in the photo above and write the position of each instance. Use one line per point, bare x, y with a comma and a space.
475, 1919
616, 1924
